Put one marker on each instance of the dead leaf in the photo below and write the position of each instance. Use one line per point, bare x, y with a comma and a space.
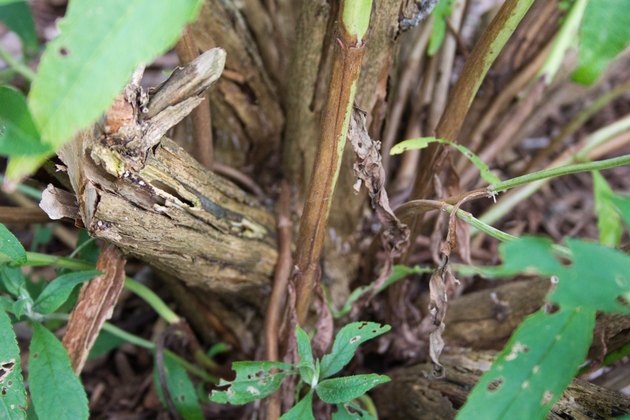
94, 306
369, 170
59, 204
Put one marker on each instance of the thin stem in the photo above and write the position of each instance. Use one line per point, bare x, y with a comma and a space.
16, 65
145, 344
81, 247
559, 171
36, 259
31, 192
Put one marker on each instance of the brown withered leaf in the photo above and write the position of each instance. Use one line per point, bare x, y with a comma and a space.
369, 171
94, 306
58, 203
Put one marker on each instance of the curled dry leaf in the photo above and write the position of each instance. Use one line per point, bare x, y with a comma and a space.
369, 171
59, 204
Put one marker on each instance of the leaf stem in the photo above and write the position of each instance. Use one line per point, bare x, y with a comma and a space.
559, 171
36, 259
16, 65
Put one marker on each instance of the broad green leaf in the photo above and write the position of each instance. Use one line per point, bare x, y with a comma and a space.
596, 279
20, 166
88, 64
18, 17
12, 280
254, 380
58, 290
18, 134
528, 254
5, 303
346, 343
604, 33
12, 393
623, 205
11, 250
303, 410
347, 388
180, 388
608, 221
351, 411
56, 391
441, 12
307, 367
422, 142
537, 364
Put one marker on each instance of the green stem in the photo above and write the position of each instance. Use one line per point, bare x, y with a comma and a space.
559, 171
16, 65
36, 259
145, 344
34, 193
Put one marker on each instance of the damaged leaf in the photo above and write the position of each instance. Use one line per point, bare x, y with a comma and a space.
347, 341
369, 170
56, 391
12, 393
254, 380
534, 368
347, 388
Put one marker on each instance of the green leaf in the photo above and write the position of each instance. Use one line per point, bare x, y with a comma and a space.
12, 280
422, 142
105, 342
20, 166
180, 388
88, 64
347, 388
527, 254
604, 33
597, 278
302, 410
441, 12
254, 380
537, 364
18, 17
351, 411
58, 291
11, 250
307, 367
346, 343
12, 392
56, 391
623, 206
18, 134
608, 221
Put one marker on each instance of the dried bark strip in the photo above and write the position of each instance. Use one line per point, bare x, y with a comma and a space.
94, 306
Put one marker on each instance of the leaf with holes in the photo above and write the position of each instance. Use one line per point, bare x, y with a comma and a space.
347, 341
604, 33
56, 391
598, 278
347, 388
12, 392
351, 411
88, 64
11, 250
58, 291
180, 388
534, 368
305, 352
254, 380
608, 221
422, 142
302, 410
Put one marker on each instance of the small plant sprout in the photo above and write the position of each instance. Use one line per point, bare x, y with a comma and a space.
257, 380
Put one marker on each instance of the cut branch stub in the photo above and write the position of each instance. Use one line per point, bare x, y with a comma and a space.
146, 195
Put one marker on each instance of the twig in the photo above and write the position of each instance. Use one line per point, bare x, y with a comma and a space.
278, 293
347, 57
481, 58
187, 51
22, 215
